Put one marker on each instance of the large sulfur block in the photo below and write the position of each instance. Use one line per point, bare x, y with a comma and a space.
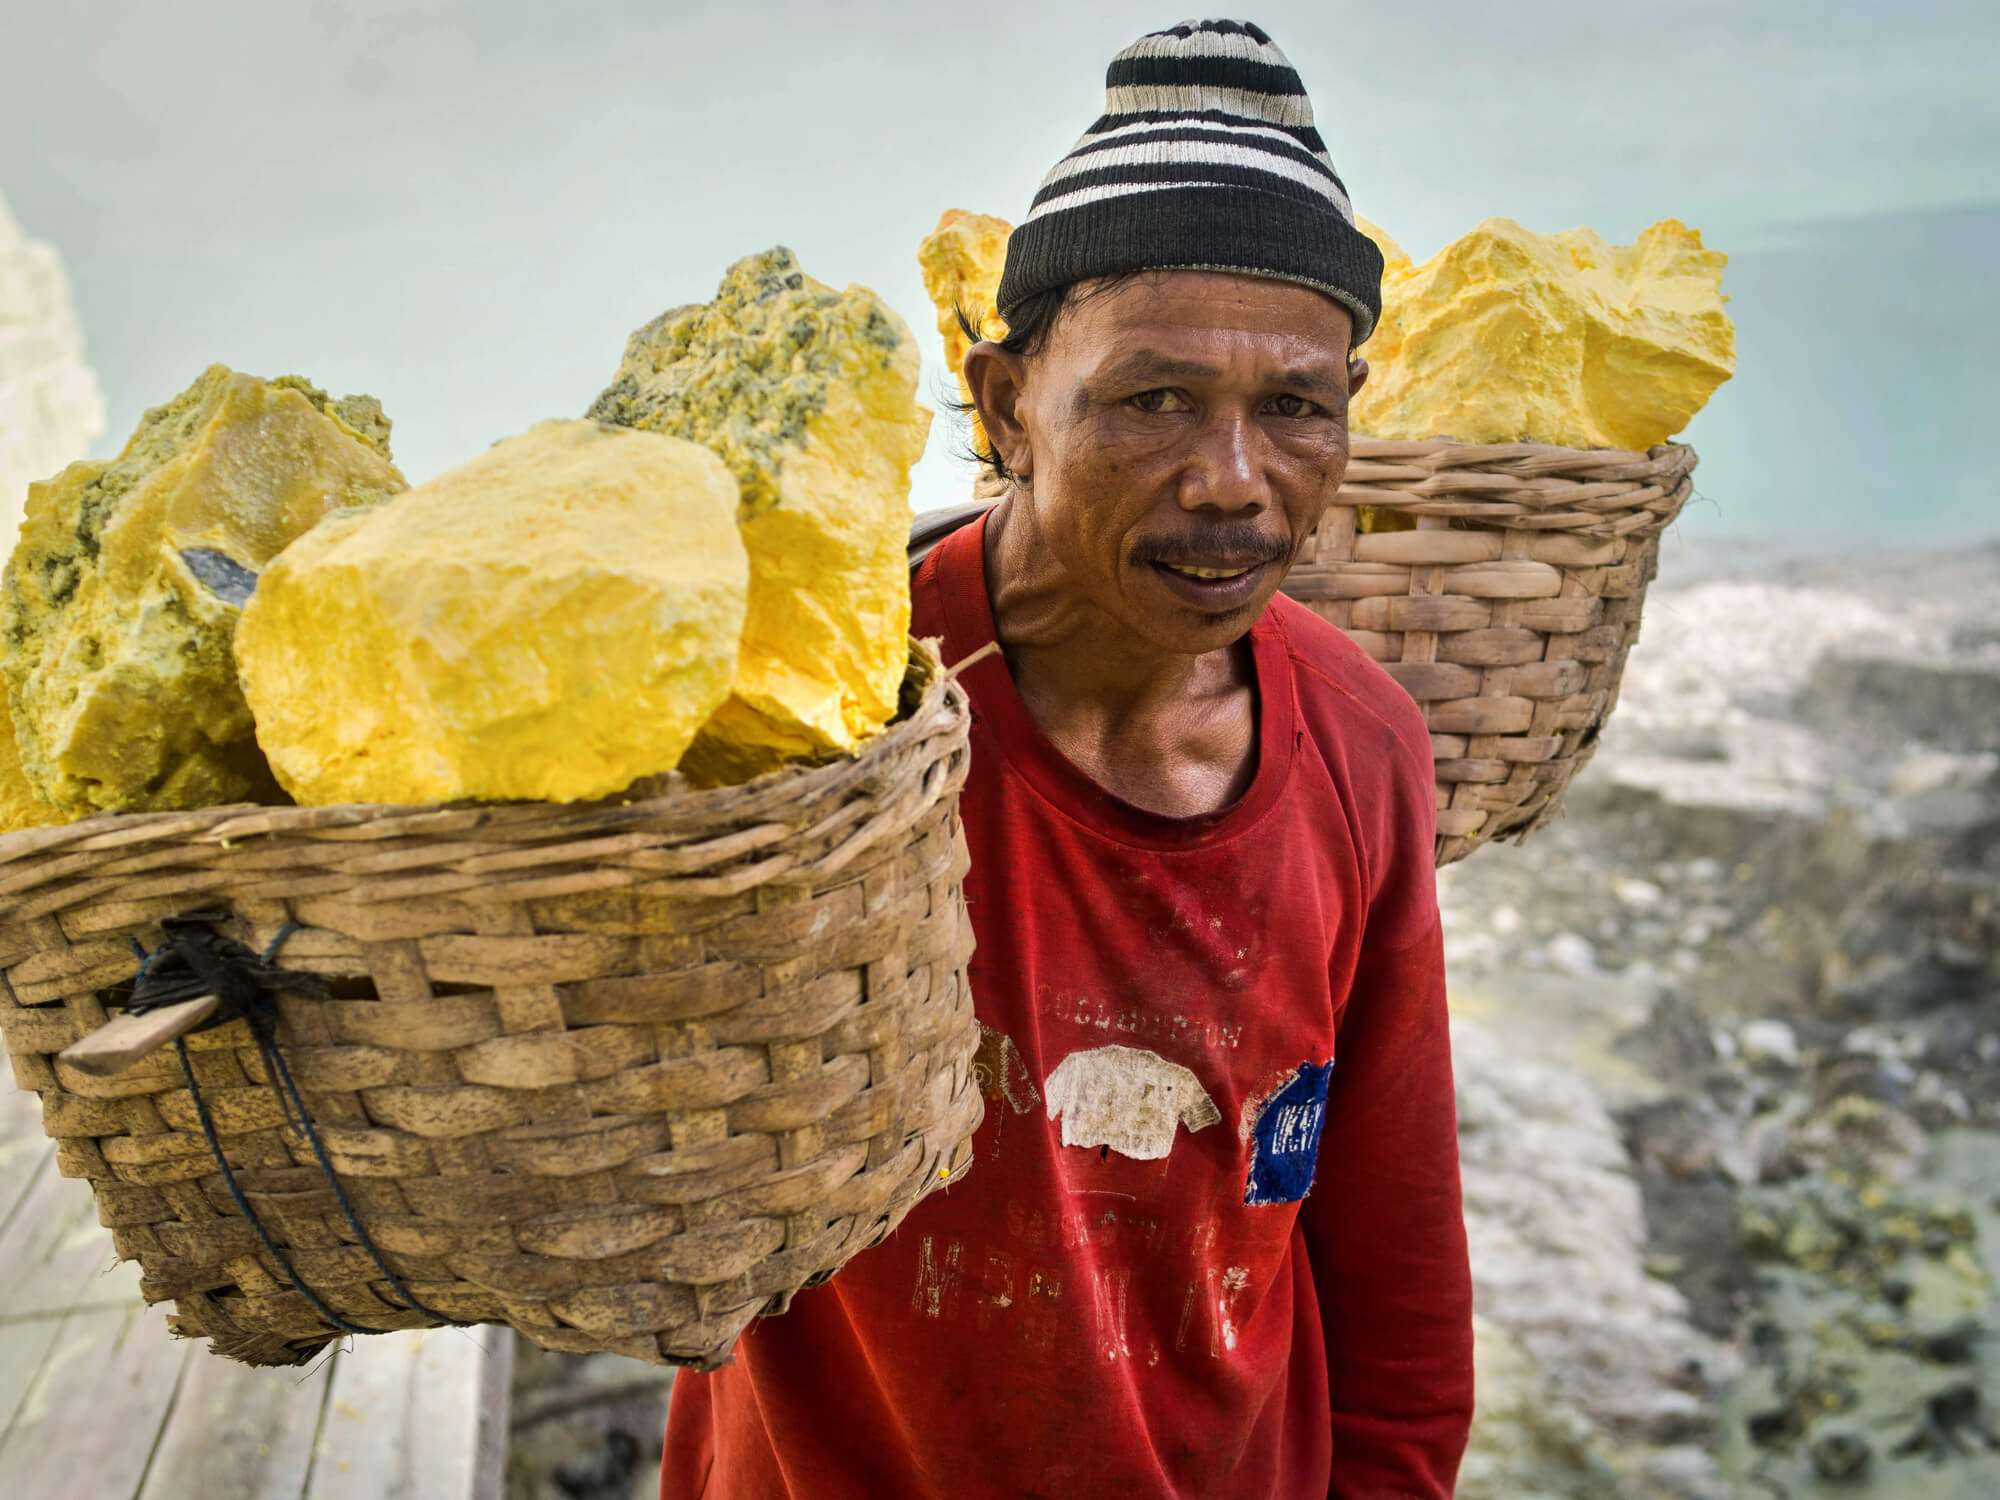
122, 595
1507, 335
962, 260
553, 620
809, 395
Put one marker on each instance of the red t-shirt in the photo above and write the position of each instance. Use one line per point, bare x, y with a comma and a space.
1188, 1023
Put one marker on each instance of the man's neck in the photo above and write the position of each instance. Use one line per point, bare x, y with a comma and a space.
1169, 732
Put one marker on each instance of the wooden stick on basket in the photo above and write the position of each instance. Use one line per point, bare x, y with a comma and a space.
623, 1076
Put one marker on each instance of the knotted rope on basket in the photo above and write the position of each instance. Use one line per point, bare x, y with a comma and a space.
195, 960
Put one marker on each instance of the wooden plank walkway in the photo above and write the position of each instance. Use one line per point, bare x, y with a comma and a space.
99, 1402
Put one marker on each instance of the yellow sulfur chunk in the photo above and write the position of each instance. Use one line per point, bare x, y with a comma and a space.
21, 806
553, 620
1396, 262
962, 260
809, 395
1507, 335
123, 591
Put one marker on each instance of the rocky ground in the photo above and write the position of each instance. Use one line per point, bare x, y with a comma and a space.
584, 1427
1729, 1055
1728, 1042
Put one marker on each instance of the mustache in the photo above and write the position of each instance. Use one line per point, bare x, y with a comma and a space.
1212, 546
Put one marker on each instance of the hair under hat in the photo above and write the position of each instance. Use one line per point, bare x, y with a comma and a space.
1205, 158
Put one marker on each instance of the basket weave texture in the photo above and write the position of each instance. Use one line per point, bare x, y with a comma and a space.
623, 1076
1507, 613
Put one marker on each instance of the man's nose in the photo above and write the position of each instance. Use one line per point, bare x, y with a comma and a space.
1226, 471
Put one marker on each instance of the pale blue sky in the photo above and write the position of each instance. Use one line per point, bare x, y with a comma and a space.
464, 208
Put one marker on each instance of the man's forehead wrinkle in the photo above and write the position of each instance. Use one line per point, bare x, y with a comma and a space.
1151, 364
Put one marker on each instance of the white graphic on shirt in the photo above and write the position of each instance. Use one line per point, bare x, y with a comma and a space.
1126, 1099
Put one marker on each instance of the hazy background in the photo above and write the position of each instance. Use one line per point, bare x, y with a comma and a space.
464, 208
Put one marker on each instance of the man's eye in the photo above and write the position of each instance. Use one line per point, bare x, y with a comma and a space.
1293, 406
1160, 400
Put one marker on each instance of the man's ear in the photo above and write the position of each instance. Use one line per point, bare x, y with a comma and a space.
1357, 376
994, 375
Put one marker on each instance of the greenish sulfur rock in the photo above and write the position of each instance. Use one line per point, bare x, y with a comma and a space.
809, 396
120, 601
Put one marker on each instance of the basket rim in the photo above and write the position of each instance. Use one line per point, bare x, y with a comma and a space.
792, 786
1458, 452
1532, 486
1379, 470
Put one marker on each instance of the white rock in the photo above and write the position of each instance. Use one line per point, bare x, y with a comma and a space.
1880, 1041
1572, 953
1771, 1041
1640, 895
1935, 769
1684, 1472
1471, 950
1931, 1089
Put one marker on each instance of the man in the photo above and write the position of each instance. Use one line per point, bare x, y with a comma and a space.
1211, 1244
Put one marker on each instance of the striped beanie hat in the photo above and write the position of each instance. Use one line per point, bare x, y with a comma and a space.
1205, 158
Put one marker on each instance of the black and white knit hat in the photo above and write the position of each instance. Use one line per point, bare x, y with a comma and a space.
1205, 159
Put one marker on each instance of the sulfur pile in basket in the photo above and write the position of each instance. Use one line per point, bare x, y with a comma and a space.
1503, 336
809, 395
1507, 335
552, 620
122, 594
962, 260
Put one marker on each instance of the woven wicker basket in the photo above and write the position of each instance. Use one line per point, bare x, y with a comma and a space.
1506, 613
621, 1075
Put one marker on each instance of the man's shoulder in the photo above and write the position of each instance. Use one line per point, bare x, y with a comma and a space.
926, 607
928, 531
1342, 691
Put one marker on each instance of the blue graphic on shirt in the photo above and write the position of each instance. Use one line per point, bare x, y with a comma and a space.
1285, 1144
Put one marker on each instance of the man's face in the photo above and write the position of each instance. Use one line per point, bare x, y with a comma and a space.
1180, 435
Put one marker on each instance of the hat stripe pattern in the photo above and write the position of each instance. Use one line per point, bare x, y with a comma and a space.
1173, 131
1194, 153
1145, 176
1208, 130
1274, 80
